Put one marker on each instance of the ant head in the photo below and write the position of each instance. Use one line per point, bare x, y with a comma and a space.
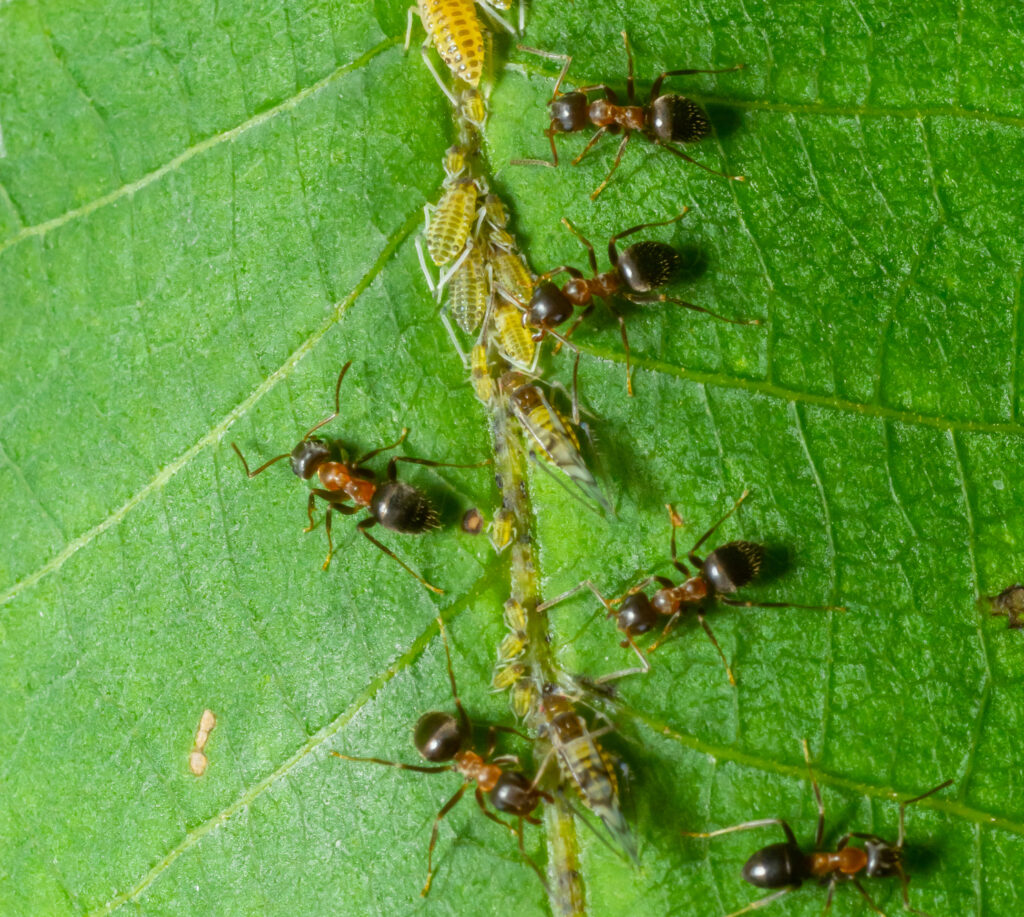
308, 455
549, 306
514, 794
884, 860
636, 615
647, 265
569, 112
733, 565
775, 866
438, 736
676, 119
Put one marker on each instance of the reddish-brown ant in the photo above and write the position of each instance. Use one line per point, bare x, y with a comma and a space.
726, 569
634, 275
786, 866
394, 504
442, 737
664, 119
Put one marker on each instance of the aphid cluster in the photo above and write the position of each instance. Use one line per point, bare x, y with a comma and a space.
498, 312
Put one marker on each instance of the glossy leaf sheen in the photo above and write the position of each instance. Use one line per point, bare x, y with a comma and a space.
205, 209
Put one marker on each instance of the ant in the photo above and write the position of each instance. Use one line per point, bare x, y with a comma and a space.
726, 569
664, 119
634, 274
786, 866
442, 737
394, 504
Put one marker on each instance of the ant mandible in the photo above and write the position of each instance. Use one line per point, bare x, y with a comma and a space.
664, 119
634, 274
725, 570
394, 504
442, 737
786, 866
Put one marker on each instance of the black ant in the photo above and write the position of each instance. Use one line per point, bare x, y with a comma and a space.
786, 866
442, 737
394, 504
634, 274
726, 569
664, 119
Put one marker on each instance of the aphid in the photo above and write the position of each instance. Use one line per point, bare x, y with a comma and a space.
480, 374
513, 644
664, 119
1009, 603
633, 276
515, 677
726, 569
449, 226
553, 434
394, 504
513, 341
786, 865
502, 529
469, 291
197, 761
584, 763
441, 737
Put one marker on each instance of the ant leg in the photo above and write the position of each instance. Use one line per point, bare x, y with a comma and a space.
630, 89
682, 155
550, 55
467, 725
613, 254
866, 896
645, 665
910, 802
543, 767
625, 346
676, 521
694, 559
828, 897
369, 455
661, 297
747, 826
656, 85
819, 833
586, 584
337, 403
738, 604
370, 521
405, 767
526, 857
590, 145
576, 386
393, 464
591, 255
483, 808
310, 506
262, 467
330, 541
575, 273
711, 637
445, 809
763, 902
665, 632
615, 165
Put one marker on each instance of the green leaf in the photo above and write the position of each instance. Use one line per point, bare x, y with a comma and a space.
206, 209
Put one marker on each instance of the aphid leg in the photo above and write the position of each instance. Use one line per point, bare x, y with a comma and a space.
431, 285
447, 275
262, 467
819, 833
483, 808
615, 165
437, 76
492, 14
543, 767
368, 523
656, 85
694, 559
682, 155
369, 455
445, 809
447, 322
408, 27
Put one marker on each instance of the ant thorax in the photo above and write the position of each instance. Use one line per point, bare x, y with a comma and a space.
474, 768
603, 113
669, 600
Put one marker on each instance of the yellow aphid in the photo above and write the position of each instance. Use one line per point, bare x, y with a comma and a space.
508, 675
501, 529
470, 292
515, 616
523, 695
454, 162
472, 108
454, 28
452, 220
512, 645
495, 212
512, 275
512, 339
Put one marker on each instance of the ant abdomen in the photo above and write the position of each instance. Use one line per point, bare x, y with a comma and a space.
733, 565
437, 736
646, 265
514, 794
309, 455
776, 866
676, 118
637, 615
403, 508
569, 111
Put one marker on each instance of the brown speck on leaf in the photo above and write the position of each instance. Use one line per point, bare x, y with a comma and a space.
1009, 603
473, 522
